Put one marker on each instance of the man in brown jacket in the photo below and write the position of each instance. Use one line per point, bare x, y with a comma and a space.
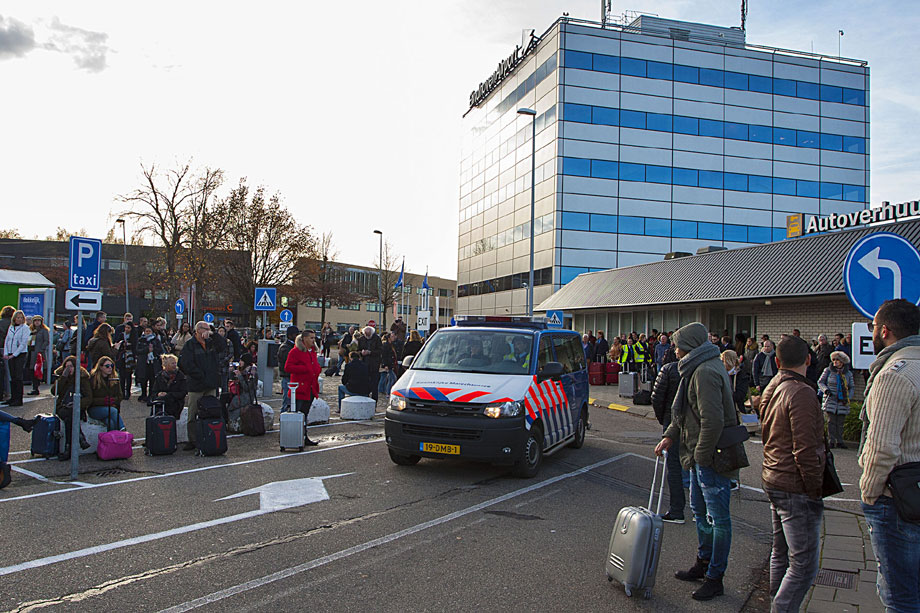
793, 468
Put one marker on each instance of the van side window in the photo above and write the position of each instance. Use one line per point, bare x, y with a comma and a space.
577, 351
564, 353
546, 352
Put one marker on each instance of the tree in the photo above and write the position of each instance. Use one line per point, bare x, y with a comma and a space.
157, 208
271, 236
202, 221
321, 280
62, 235
10, 234
389, 274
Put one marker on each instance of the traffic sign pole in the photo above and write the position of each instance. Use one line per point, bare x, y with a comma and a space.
75, 411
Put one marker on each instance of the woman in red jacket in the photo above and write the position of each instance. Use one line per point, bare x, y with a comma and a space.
304, 369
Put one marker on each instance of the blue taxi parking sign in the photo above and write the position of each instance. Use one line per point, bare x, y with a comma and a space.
85, 263
879, 267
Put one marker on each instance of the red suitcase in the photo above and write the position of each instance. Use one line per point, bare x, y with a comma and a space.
595, 368
596, 378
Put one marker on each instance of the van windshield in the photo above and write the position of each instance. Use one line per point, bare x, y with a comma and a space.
496, 352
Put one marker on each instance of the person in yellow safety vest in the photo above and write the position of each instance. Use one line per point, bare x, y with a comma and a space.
628, 357
520, 354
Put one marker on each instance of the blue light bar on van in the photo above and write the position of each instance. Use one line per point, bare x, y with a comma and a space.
501, 320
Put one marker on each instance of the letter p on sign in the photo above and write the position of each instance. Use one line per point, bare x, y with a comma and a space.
84, 251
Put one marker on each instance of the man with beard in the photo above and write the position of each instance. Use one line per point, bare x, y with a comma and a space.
891, 431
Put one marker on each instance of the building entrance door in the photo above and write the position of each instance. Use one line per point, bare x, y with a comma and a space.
744, 324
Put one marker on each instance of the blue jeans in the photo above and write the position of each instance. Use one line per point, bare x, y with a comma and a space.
897, 548
796, 545
112, 420
710, 495
386, 381
285, 394
6, 417
343, 392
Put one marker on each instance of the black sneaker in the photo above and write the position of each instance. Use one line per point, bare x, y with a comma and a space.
709, 590
673, 519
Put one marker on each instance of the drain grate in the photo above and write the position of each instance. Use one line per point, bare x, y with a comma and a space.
111, 472
836, 578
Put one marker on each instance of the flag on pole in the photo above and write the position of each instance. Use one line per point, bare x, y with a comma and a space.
399, 282
425, 282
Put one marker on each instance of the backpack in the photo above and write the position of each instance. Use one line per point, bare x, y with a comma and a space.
210, 407
642, 397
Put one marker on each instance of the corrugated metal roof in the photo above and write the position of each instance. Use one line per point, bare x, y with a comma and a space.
807, 266
24, 277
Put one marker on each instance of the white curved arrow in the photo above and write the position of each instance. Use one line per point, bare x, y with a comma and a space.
273, 497
872, 263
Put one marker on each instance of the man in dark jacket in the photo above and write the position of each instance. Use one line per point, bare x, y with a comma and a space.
91, 329
6, 320
355, 379
793, 470
704, 407
663, 393
601, 347
283, 351
234, 337
199, 363
370, 347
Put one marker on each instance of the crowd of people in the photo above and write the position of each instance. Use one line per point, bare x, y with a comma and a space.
805, 388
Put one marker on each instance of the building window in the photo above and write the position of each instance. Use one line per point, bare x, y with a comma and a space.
350, 307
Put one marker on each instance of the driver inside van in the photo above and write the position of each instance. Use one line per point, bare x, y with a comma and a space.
521, 353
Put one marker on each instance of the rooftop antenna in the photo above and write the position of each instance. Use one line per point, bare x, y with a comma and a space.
605, 10
744, 9
839, 38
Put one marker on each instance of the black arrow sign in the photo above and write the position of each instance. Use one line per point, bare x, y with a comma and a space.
76, 301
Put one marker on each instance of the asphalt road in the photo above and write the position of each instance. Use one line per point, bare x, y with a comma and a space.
152, 534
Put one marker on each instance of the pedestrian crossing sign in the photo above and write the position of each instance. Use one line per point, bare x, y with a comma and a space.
554, 319
265, 298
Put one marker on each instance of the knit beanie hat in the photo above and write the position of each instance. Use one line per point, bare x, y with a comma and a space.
691, 336
839, 355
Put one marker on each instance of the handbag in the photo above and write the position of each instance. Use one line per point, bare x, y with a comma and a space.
904, 482
830, 482
39, 371
729, 455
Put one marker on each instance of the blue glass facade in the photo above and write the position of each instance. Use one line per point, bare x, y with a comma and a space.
649, 143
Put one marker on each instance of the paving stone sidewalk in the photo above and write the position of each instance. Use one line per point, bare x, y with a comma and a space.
846, 580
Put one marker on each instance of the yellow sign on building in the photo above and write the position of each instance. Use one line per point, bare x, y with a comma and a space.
794, 225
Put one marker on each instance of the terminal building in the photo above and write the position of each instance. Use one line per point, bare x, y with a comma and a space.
652, 138
763, 289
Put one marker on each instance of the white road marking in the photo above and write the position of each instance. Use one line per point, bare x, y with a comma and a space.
29, 473
92, 486
275, 496
295, 570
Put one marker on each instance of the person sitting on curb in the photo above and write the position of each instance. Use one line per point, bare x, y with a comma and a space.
355, 380
106, 394
63, 390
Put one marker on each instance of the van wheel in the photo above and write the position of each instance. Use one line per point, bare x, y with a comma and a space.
529, 465
580, 429
404, 460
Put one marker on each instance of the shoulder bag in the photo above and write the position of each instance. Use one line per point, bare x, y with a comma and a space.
830, 482
904, 482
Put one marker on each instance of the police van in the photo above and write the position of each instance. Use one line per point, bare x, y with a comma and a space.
506, 390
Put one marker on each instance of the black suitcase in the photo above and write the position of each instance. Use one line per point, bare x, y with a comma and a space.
45, 436
210, 407
211, 436
160, 431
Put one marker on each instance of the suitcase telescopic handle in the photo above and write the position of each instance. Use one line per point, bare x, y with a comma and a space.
651, 493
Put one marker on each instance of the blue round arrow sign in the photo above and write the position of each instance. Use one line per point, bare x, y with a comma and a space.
286, 316
180, 306
880, 267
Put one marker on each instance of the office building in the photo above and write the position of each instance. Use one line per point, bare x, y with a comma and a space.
654, 137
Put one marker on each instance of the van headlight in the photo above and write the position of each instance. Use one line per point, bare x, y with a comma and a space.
397, 403
506, 409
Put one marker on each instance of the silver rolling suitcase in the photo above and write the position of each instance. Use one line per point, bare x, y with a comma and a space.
635, 544
629, 384
292, 424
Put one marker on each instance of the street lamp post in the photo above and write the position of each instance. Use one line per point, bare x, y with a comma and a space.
124, 243
533, 179
380, 279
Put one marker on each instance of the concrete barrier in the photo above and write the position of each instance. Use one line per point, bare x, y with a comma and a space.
358, 407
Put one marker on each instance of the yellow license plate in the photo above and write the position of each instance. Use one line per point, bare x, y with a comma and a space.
439, 448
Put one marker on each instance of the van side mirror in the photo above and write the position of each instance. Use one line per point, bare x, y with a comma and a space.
407, 361
551, 370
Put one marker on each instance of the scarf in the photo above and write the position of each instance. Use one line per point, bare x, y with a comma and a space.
874, 369
686, 366
767, 369
843, 393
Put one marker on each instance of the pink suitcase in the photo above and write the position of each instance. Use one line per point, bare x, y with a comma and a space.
115, 445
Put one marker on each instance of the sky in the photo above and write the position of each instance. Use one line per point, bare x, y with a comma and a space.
351, 110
